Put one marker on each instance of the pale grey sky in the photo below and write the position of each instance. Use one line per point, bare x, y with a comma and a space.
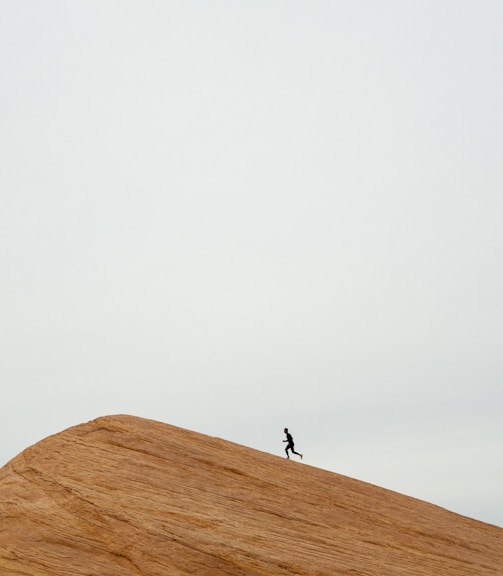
240, 216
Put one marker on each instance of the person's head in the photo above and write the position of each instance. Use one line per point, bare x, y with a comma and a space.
285, 430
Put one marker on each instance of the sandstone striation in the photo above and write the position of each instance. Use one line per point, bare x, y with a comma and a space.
127, 496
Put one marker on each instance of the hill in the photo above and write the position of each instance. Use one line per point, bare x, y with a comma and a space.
127, 496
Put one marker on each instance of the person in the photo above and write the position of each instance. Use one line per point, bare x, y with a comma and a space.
290, 445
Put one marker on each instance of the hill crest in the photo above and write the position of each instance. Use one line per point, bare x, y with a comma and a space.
130, 496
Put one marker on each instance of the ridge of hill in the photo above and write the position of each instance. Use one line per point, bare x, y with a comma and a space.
130, 496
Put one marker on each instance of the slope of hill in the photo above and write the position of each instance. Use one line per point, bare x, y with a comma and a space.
127, 496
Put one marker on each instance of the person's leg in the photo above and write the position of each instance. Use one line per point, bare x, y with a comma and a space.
298, 453
286, 450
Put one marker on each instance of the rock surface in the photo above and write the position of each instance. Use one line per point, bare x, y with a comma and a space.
127, 496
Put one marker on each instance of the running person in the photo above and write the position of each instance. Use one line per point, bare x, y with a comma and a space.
290, 445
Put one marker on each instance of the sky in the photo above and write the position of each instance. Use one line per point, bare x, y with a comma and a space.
239, 216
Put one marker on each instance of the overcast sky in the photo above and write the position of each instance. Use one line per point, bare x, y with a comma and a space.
239, 216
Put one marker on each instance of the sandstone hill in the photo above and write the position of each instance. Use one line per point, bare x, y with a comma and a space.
123, 496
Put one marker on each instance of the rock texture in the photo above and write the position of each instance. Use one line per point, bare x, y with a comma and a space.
126, 496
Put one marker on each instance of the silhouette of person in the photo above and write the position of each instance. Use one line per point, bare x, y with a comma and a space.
290, 445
